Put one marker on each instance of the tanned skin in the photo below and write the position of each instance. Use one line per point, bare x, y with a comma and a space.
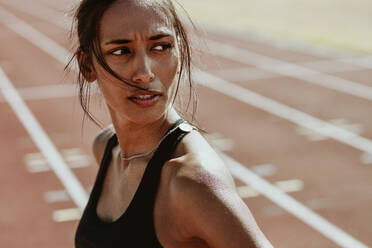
197, 204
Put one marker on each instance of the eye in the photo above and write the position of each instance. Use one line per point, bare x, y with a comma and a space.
120, 51
162, 47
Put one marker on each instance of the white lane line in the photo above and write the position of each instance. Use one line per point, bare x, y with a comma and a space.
283, 111
243, 74
287, 186
366, 158
285, 44
332, 66
37, 9
293, 185
288, 69
42, 141
53, 196
34, 36
220, 83
49, 15
247, 191
292, 206
46, 92
74, 157
218, 142
264, 170
365, 62
69, 214
342, 123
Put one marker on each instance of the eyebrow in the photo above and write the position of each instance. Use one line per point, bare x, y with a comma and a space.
159, 36
118, 41
125, 41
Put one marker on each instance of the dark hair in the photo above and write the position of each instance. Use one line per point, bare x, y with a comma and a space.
86, 25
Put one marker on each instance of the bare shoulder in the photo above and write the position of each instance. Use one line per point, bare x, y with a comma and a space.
199, 165
100, 142
205, 202
199, 173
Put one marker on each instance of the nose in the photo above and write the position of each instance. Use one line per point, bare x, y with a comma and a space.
142, 70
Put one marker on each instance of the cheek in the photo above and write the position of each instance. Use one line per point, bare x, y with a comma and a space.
101, 73
107, 82
168, 71
173, 79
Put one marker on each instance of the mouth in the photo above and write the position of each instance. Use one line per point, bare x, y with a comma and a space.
145, 98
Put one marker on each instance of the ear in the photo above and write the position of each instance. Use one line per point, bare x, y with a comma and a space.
86, 66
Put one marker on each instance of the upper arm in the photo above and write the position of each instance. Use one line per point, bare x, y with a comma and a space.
100, 142
210, 209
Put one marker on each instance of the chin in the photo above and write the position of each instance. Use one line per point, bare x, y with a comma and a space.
143, 116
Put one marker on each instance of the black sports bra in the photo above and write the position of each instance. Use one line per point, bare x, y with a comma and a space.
135, 227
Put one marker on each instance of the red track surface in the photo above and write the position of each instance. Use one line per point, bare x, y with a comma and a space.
336, 181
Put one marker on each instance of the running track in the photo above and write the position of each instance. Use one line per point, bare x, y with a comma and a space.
294, 125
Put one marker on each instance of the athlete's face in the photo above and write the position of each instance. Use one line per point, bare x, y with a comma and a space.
139, 45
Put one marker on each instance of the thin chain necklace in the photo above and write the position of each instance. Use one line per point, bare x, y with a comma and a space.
139, 155
144, 154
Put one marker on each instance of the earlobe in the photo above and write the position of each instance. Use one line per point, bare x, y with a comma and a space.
85, 66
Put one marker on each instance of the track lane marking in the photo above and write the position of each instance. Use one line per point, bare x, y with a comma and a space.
354, 58
264, 170
292, 206
46, 92
74, 158
342, 123
54, 196
68, 214
337, 235
34, 36
243, 74
285, 112
61, 195
366, 158
43, 142
286, 186
289, 69
365, 62
331, 66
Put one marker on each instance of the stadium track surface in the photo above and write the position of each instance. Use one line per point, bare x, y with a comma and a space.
330, 177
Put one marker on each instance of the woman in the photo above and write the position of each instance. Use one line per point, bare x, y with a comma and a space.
160, 184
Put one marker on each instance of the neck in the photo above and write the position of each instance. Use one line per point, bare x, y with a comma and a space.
137, 138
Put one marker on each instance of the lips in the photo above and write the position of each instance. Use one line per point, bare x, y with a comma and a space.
145, 98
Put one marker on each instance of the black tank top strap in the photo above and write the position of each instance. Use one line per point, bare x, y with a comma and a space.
151, 177
111, 143
107, 155
106, 159
144, 199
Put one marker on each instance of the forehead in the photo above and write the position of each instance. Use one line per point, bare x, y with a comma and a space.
131, 17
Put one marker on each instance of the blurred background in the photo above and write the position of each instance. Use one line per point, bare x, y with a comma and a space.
336, 24
285, 91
